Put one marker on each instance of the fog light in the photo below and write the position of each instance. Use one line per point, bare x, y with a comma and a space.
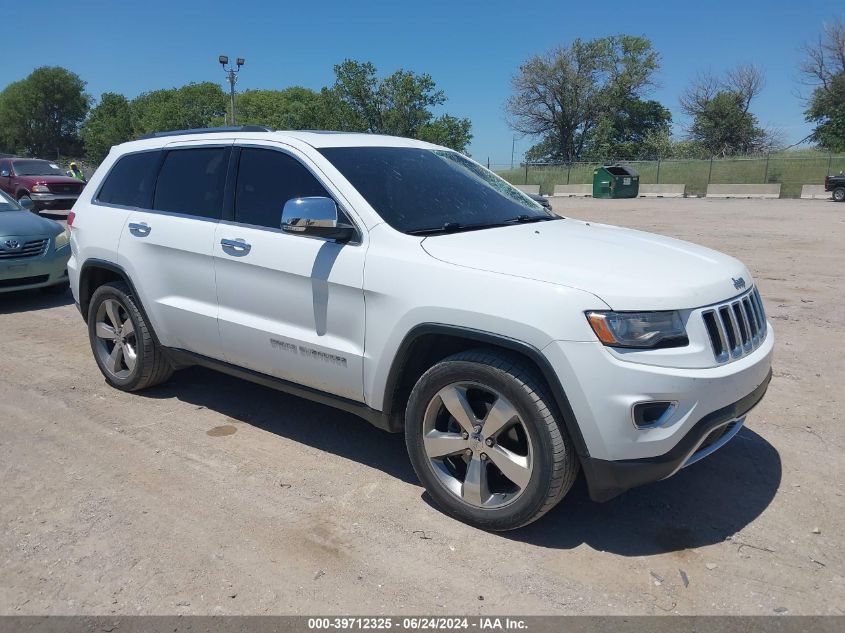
650, 414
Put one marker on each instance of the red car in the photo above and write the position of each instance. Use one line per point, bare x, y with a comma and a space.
41, 181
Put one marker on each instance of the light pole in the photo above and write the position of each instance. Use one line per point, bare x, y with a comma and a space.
232, 76
513, 149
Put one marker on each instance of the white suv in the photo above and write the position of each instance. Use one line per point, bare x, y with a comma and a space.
404, 283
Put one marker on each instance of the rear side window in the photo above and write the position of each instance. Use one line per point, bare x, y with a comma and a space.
266, 180
192, 181
131, 181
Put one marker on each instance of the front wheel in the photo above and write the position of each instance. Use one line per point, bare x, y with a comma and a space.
839, 194
485, 442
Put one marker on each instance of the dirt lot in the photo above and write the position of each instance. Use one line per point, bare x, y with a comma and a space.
212, 495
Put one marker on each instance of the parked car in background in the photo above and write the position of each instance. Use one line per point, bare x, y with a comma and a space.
33, 251
836, 184
41, 181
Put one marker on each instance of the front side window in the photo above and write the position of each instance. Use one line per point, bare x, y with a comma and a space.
131, 181
267, 179
193, 181
417, 190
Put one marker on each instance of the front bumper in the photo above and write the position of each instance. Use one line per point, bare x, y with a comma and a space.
54, 200
602, 389
607, 479
35, 272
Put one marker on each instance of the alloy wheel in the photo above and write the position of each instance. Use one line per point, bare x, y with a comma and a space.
116, 343
477, 445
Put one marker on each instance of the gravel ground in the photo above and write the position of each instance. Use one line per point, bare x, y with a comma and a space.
212, 495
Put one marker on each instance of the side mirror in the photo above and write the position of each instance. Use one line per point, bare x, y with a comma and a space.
315, 217
5, 173
27, 203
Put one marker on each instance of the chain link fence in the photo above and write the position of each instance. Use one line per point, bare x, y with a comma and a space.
792, 172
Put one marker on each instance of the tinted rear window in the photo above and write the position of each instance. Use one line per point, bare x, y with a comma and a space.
192, 181
131, 181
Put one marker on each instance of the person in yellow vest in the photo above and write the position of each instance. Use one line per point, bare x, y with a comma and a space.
76, 172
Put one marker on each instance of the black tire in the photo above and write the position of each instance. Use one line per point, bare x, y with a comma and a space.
151, 366
839, 194
553, 462
56, 289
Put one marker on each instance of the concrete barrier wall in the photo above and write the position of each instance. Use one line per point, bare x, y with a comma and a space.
535, 189
581, 191
744, 191
814, 192
662, 191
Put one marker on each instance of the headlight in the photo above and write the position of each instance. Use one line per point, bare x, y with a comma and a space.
40, 189
62, 240
639, 329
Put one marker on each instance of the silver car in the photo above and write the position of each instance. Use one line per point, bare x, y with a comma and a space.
33, 250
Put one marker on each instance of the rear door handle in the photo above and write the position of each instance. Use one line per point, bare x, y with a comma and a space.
239, 246
139, 229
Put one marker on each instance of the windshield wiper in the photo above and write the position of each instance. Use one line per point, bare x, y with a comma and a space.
525, 219
456, 227
445, 228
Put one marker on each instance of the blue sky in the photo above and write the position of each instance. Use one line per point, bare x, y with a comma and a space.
470, 48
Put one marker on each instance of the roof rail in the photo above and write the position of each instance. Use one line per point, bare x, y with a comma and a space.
207, 130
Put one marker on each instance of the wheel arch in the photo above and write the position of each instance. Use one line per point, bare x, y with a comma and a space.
429, 343
96, 272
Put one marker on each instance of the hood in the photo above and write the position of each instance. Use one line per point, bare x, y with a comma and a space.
26, 223
627, 269
49, 180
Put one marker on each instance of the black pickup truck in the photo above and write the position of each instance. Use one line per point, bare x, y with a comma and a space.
836, 184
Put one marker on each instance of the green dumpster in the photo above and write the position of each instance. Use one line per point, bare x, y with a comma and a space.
615, 181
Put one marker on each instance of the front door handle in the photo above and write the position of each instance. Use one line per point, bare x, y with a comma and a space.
239, 246
139, 229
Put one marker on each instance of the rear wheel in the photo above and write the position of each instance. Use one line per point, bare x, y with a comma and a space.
121, 340
484, 440
839, 194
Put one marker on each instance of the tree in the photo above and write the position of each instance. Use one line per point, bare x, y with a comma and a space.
448, 131
191, 106
565, 95
108, 124
400, 104
723, 127
824, 68
720, 108
827, 110
624, 133
41, 115
293, 108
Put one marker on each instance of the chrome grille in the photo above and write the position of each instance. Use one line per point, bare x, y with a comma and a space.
737, 327
71, 188
33, 248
